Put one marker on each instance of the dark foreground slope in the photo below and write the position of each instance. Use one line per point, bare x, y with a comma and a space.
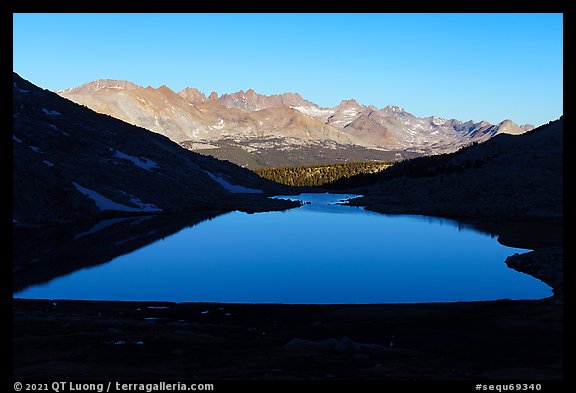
71, 164
198, 342
510, 177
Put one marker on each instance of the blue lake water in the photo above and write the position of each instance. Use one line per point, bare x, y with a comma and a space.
319, 253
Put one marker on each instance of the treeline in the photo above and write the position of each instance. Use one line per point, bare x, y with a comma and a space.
318, 175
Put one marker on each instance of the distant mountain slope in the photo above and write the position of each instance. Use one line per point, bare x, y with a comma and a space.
71, 163
261, 125
160, 110
189, 116
507, 177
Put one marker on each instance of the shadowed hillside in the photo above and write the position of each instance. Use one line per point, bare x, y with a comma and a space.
72, 164
507, 177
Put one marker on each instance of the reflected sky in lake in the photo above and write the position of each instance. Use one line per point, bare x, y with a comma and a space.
322, 252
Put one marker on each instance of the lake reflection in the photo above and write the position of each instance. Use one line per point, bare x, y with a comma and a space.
322, 252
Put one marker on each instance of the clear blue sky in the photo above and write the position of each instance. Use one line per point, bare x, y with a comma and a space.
465, 66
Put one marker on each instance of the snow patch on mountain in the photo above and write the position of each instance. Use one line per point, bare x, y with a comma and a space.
220, 125
50, 112
233, 188
437, 121
314, 111
148, 207
104, 203
19, 89
141, 162
58, 129
350, 112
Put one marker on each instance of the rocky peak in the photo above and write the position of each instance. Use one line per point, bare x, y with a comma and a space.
252, 101
437, 121
192, 95
393, 109
527, 127
101, 84
509, 127
352, 103
165, 89
213, 96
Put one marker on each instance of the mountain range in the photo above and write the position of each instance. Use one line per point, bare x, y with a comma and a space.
256, 130
72, 164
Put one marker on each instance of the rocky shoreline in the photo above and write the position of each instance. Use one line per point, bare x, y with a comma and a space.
510, 340
546, 264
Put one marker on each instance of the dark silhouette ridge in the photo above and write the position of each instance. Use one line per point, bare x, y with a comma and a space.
510, 177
